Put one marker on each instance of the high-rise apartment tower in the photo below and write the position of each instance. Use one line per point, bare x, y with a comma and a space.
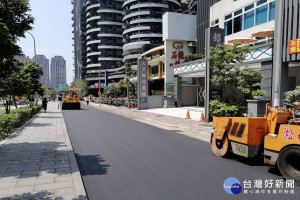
58, 71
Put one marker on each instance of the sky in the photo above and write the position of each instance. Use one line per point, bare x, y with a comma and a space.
52, 30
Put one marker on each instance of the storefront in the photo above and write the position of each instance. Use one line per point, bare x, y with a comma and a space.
179, 41
286, 70
156, 69
189, 80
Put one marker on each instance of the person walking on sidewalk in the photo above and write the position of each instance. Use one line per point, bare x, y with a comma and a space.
87, 100
44, 104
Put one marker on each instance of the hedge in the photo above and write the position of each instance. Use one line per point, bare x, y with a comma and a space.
219, 108
16, 118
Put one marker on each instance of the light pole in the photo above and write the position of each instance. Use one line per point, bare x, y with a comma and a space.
36, 95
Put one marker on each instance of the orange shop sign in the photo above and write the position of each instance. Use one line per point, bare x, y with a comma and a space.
294, 46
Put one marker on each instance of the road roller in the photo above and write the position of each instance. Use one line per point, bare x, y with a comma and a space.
274, 137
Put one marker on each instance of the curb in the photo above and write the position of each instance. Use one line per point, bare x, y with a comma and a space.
79, 189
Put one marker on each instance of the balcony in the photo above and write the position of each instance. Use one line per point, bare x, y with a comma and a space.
109, 35
93, 6
139, 28
146, 20
109, 11
138, 13
149, 5
147, 35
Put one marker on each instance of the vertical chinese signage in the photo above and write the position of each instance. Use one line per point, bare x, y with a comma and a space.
213, 37
294, 46
142, 83
216, 36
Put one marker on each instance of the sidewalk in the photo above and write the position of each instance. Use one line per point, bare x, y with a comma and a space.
37, 161
191, 128
180, 112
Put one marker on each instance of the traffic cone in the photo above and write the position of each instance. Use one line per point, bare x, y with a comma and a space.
188, 115
202, 117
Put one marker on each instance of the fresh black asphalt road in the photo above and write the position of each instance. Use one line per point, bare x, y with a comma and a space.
122, 159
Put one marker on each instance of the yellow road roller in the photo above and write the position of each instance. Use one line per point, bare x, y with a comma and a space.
275, 136
71, 99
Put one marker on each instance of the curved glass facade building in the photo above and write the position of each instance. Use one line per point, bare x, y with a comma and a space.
104, 41
142, 27
192, 8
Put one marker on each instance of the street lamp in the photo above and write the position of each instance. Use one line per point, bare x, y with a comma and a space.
36, 96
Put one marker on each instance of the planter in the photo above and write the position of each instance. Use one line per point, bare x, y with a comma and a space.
258, 97
256, 108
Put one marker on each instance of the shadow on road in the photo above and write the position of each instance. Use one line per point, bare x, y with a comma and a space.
256, 161
91, 165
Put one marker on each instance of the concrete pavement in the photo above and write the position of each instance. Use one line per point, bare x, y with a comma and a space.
192, 128
180, 112
38, 162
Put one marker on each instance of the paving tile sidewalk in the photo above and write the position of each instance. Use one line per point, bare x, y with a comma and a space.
37, 161
195, 129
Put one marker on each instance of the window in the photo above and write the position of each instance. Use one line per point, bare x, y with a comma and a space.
238, 12
238, 21
261, 15
272, 11
249, 19
228, 27
260, 2
228, 16
154, 70
249, 7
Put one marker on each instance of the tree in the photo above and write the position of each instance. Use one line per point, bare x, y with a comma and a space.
52, 92
14, 22
33, 72
80, 83
229, 69
24, 80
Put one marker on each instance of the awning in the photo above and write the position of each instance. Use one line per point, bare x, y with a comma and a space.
242, 41
156, 61
264, 33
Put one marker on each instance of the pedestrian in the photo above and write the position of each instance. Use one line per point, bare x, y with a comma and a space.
87, 100
31, 100
44, 104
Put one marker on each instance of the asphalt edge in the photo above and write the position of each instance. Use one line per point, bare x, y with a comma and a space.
80, 191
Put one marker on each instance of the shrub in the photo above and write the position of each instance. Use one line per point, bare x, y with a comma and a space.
292, 96
16, 118
258, 93
218, 108
192, 57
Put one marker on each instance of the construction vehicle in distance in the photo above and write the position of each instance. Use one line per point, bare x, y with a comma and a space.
70, 99
276, 137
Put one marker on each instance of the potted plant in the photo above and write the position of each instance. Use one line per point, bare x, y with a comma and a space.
258, 94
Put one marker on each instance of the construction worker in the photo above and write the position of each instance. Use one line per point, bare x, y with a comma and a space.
87, 100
